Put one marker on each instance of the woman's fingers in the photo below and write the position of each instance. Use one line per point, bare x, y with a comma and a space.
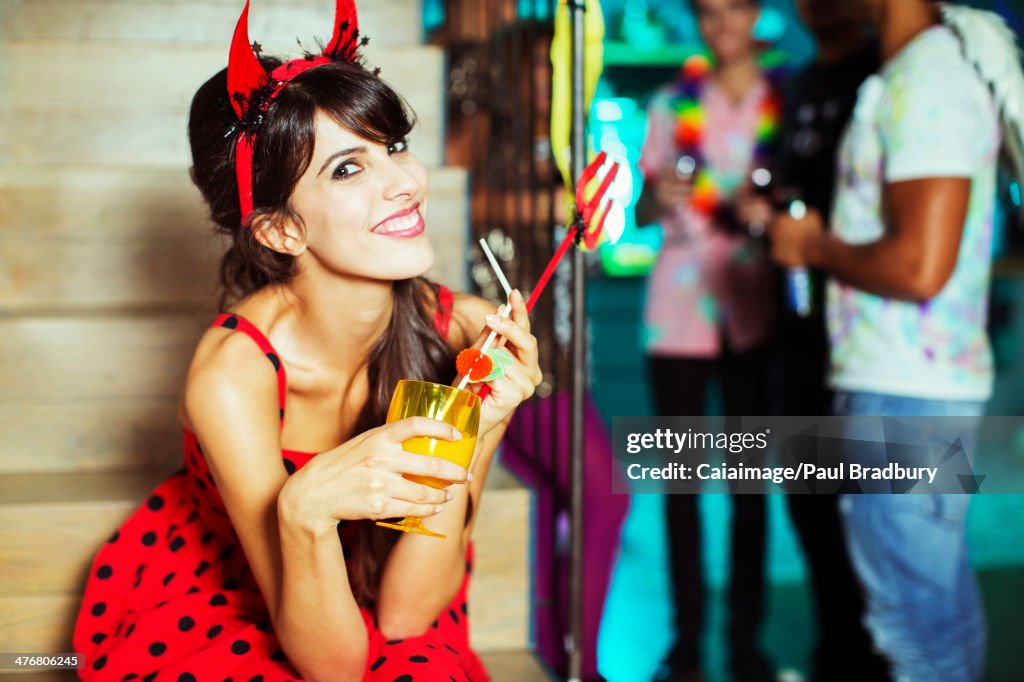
521, 338
527, 377
388, 454
426, 465
383, 507
412, 492
525, 345
513, 388
411, 427
485, 332
399, 461
519, 313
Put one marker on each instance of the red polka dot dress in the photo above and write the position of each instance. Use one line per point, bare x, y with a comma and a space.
170, 595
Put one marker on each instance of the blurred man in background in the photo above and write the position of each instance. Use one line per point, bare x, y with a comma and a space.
909, 255
818, 106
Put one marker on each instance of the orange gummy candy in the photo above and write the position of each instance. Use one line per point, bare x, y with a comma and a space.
474, 364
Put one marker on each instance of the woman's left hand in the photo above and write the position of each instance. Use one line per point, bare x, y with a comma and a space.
522, 375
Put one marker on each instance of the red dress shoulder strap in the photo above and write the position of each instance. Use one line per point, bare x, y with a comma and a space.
443, 317
239, 323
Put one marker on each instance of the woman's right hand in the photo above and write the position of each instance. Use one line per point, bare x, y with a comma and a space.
364, 478
671, 191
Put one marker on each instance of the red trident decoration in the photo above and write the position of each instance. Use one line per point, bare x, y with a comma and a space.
592, 210
251, 88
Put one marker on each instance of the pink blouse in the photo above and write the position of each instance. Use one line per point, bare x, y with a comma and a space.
707, 283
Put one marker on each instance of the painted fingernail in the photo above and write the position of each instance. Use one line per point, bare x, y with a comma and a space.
439, 508
456, 434
448, 495
469, 476
492, 319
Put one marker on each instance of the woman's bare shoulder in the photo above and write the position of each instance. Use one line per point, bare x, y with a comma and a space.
227, 367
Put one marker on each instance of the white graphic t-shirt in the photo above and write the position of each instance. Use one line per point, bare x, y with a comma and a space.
927, 114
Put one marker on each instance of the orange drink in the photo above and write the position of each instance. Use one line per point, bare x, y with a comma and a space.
449, 404
460, 452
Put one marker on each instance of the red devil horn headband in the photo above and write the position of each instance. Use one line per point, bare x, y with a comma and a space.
251, 88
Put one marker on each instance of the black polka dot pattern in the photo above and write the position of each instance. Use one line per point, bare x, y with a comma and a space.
186, 623
104, 572
240, 647
378, 663
149, 538
157, 649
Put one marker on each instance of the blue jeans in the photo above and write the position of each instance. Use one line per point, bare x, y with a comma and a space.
910, 553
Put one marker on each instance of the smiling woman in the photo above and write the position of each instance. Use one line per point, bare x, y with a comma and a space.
233, 567
335, 131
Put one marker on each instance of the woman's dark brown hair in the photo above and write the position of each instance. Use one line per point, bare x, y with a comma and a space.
411, 347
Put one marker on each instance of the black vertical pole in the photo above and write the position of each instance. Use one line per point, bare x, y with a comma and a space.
579, 360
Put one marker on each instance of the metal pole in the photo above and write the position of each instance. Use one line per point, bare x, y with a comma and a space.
579, 360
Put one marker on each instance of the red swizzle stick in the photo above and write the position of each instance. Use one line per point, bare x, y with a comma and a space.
585, 211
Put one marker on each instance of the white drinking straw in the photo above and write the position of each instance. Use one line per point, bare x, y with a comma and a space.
497, 268
504, 311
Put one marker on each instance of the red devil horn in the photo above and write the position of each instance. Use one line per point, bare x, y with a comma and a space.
346, 25
245, 73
